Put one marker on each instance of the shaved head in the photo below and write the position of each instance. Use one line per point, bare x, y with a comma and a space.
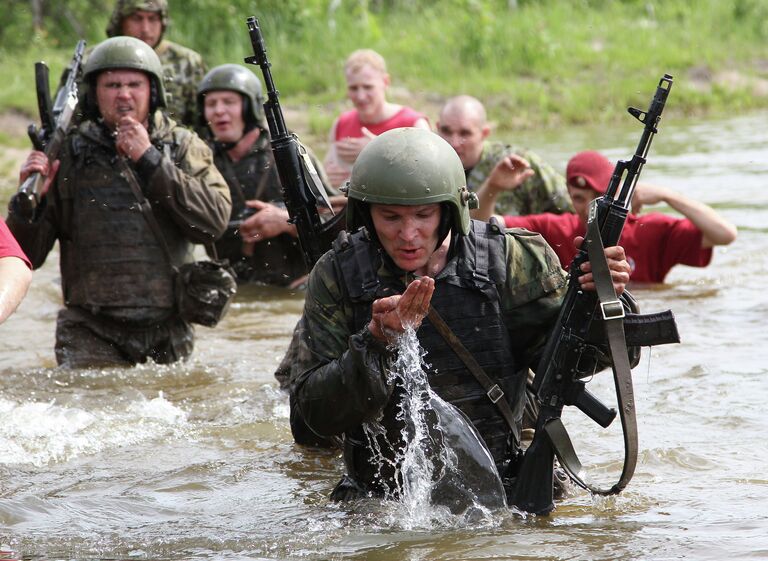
464, 125
467, 107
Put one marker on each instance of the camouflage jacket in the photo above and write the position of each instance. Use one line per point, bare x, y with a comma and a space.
186, 190
183, 70
543, 192
339, 376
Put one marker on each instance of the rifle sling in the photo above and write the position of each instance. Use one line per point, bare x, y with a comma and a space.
492, 389
622, 374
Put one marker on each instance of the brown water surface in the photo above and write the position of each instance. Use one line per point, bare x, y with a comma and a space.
195, 461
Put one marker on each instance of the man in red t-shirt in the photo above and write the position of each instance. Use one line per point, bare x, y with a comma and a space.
653, 242
15, 273
367, 80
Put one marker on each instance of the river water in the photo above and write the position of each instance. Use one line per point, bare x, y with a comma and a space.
196, 461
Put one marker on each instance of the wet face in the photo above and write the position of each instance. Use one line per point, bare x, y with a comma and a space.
121, 93
224, 115
407, 233
147, 26
581, 198
366, 89
465, 134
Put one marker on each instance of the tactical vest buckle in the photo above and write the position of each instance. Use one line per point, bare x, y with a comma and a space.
495, 393
613, 309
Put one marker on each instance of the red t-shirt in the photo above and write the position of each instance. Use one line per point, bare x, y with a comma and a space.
349, 124
653, 242
9, 247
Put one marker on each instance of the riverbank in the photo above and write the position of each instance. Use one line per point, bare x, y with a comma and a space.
535, 64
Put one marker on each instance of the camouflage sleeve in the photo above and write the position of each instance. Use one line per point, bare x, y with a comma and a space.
533, 293
196, 72
546, 190
339, 379
192, 190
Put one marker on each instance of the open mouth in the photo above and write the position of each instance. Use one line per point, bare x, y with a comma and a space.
409, 253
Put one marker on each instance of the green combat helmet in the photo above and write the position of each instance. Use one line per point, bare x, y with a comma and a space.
236, 78
409, 166
129, 53
125, 8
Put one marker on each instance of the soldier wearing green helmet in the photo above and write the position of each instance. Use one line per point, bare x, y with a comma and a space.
182, 68
260, 244
412, 248
130, 194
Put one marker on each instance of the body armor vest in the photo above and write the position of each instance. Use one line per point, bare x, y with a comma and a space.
275, 261
114, 264
467, 298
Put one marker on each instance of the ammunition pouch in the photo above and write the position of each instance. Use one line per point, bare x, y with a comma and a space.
204, 290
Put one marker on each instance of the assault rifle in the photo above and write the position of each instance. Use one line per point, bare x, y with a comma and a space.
302, 189
586, 319
54, 121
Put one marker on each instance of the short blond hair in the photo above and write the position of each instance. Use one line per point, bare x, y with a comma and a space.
365, 57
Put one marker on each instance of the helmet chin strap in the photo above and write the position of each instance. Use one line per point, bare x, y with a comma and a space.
444, 227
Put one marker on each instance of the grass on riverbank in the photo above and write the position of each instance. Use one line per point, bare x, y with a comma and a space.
543, 63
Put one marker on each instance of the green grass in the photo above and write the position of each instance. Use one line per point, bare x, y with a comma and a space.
545, 63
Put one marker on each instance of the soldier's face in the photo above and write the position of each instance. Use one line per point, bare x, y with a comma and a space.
147, 26
407, 233
580, 198
224, 115
464, 134
366, 89
123, 93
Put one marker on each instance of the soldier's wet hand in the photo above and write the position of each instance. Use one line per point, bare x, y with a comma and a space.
132, 138
617, 265
390, 316
268, 221
37, 162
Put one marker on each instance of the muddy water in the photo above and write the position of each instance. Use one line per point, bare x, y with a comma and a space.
195, 461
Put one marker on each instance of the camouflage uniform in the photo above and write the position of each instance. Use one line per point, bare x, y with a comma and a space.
339, 376
116, 280
543, 192
276, 261
183, 68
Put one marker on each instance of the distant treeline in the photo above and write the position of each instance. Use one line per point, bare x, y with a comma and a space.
533, 61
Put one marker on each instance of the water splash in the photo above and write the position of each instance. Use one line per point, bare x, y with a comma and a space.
39, 433
442, 467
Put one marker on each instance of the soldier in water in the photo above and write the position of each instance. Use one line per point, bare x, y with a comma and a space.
116, 279
414, 251
183, 68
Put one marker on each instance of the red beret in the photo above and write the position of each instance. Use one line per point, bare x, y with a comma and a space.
589, 170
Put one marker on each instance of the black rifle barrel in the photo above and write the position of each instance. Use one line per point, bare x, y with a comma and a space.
568, 353
301, 187
55, 122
